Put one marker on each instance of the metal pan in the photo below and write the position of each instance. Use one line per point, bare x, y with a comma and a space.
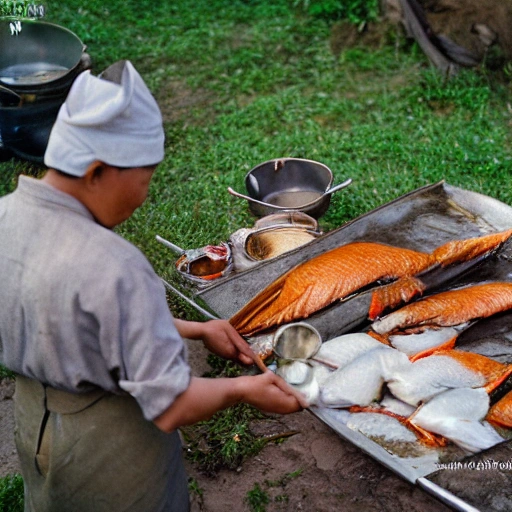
289, 184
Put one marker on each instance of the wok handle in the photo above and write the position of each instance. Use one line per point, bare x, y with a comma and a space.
346, 183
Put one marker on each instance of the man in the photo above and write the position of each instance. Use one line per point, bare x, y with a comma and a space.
103, 382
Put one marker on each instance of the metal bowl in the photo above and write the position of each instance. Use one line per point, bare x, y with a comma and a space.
298, 340
290, 184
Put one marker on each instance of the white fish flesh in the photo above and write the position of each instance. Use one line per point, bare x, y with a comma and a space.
457, 414
362, 380
413, 344
340, 351
430, 376
396, 406
381, 426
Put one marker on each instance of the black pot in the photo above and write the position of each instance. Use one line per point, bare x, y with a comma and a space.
38, 65
25, 130
39, 57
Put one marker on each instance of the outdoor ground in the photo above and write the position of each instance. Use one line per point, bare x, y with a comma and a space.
314, 470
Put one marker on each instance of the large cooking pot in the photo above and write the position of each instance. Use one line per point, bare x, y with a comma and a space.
25, 130
38, 63
289, 184
38, 58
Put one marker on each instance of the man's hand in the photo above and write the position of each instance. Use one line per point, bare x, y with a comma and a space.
219, 337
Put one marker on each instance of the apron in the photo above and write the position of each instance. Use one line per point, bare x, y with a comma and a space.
94, 452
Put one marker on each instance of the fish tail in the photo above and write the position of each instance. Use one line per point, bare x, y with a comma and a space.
496, 383
465, 250
248, 319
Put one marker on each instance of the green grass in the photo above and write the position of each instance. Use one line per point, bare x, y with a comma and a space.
260, 496
226, 440
11, 493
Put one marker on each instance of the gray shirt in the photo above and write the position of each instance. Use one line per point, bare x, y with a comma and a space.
80, 307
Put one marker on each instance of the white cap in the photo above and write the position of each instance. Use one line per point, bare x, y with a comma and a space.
112, 118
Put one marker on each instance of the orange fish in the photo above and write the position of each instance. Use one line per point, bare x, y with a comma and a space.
500, 413
449, 308
324, 279
456, 251
338, 273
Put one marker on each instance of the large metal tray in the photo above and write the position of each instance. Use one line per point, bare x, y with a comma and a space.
421, 220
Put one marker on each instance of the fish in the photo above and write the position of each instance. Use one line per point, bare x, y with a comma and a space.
324, 279
425, 343
445, 370
361, 382
458, 415
500, 413
451, 308
457, 251
417, 433
340, 351
340, 272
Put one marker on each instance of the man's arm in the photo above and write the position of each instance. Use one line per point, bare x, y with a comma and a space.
204, 397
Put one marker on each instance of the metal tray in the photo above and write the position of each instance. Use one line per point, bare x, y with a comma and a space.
421, 220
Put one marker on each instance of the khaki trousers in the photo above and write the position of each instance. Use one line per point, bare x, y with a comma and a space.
94, 452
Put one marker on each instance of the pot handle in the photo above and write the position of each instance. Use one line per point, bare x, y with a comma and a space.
242, 196
9, 98
346, 183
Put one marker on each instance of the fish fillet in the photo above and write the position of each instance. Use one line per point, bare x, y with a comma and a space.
361, 381
342, 350
457, 414
501, 412
450, 308
451, 369
456, 251
324, 279
338, 273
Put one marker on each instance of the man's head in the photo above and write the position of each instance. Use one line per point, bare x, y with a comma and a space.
112, 118
106, 143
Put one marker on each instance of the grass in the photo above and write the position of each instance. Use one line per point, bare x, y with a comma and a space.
244, 81
11, 493
259, 497
225, 440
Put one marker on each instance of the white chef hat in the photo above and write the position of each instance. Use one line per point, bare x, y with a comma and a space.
112, 118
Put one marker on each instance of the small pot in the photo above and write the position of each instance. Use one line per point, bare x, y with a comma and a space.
289, 184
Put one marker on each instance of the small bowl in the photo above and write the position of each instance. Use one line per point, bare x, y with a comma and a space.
298, 340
